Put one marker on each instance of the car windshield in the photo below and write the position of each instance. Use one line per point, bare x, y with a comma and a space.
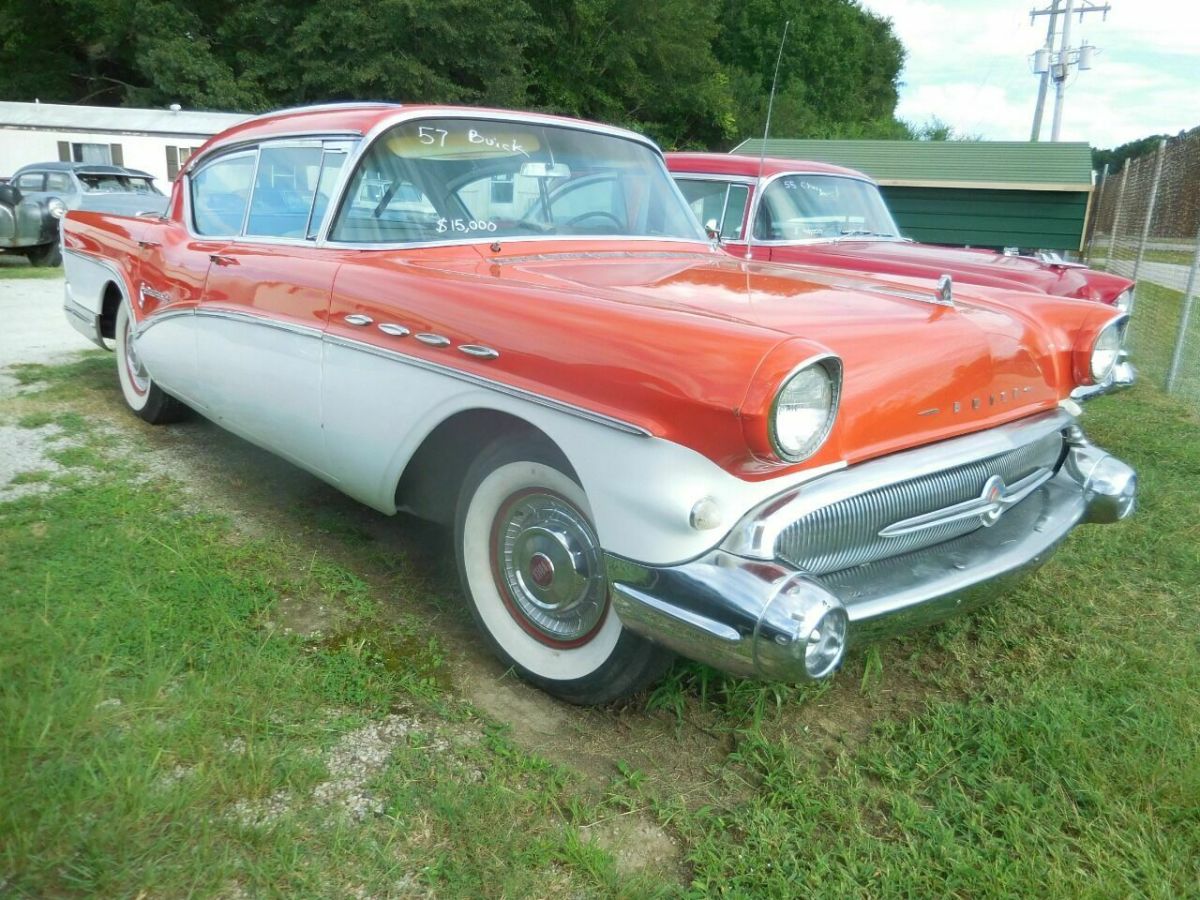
462, 179
815, 207
103, 183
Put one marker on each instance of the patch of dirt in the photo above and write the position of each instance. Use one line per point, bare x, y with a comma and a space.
24, 451
636, 843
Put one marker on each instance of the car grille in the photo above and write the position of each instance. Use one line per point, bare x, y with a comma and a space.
846, 533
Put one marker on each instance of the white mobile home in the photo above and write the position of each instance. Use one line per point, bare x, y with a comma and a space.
157, 141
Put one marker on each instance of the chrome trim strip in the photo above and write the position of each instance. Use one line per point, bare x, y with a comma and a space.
710, 176
393, 329
479, 351
80, 312
489, 384
215, 150
154, 318
757, 532
433, 340
978, 507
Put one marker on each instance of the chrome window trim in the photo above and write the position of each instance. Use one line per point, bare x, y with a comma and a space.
756, 533
198, 160
409, 115
188, 221
747, 180
489, 383
326, 140
760, 188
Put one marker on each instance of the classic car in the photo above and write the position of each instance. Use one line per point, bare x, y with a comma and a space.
40, 194
825, 215
511, 324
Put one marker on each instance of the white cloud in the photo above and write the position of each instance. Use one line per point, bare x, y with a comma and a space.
968, 65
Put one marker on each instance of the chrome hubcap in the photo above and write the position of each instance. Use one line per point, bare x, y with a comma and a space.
549, 562
137, 373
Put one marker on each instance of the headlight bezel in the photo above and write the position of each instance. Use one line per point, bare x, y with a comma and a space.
56, 207
1116, 327
1124, 300
832, 366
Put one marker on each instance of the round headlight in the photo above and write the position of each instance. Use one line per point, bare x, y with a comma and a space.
1124, 300
1107, 350
56, 207
804, 409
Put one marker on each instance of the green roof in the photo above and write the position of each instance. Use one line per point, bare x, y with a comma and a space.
1005, 165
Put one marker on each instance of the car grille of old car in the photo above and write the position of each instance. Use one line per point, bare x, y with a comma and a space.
846, 533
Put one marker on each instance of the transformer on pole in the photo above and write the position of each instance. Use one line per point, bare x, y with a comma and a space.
1055, 65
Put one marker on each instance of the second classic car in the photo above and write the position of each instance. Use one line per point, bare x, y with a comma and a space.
40, 194
789, 210
512, 324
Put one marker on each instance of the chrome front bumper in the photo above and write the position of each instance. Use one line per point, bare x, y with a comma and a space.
1123, 376
763, 618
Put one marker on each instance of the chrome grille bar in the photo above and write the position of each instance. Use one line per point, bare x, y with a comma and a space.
847, 532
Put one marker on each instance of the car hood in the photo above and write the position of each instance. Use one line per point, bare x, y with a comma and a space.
915, 370
985, 267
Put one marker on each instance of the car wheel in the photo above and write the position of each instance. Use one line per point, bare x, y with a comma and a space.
147, 400
45, 256
534, 577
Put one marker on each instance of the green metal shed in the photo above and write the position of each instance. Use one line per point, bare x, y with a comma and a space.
967, 193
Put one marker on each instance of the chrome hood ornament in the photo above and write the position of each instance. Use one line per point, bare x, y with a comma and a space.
945, 291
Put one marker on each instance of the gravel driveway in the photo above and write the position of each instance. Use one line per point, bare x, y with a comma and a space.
35, 328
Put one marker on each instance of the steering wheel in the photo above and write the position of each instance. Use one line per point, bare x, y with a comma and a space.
594, 214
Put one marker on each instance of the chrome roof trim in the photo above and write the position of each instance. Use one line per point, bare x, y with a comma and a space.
490, 384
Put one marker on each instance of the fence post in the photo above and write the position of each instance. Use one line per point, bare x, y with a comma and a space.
1096, 205
1189, 300
1112, 238
1137, 263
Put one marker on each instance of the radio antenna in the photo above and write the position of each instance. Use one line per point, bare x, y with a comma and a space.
762, 157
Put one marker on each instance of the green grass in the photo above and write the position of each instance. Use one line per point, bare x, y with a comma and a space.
151, 708
19, 267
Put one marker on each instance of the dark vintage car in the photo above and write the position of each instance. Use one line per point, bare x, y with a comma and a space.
37, 196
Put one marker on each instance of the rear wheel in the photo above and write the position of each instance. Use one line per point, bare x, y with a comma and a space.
533, 573
147, 400
45, 255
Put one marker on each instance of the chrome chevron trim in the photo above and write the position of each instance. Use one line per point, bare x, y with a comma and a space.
489, 384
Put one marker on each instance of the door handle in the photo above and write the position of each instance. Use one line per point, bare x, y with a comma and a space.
146, 245
220, 260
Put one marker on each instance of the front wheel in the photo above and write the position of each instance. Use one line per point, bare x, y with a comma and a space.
45, 256
534, 578
147, 400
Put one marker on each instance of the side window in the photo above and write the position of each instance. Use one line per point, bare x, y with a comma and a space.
735, 212
220, 192
331, 166
284, 189
705, 198
59, 181
31, 181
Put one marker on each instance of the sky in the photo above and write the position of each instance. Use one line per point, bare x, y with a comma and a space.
968, 64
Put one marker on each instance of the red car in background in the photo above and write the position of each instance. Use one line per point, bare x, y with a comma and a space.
823, 215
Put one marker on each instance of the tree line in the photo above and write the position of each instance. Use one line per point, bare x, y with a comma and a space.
690, 73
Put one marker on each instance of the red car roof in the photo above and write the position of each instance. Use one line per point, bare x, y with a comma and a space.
727, 164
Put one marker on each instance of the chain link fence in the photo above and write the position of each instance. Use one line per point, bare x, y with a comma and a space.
1145, 225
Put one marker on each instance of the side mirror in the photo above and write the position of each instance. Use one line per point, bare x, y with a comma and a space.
710, 228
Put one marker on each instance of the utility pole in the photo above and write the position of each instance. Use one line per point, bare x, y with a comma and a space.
1056, 66
1044, 81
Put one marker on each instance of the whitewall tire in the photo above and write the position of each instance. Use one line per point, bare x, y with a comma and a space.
533, 573
147, 400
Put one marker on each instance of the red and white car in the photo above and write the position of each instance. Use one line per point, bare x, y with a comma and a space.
823, 215
512, 324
